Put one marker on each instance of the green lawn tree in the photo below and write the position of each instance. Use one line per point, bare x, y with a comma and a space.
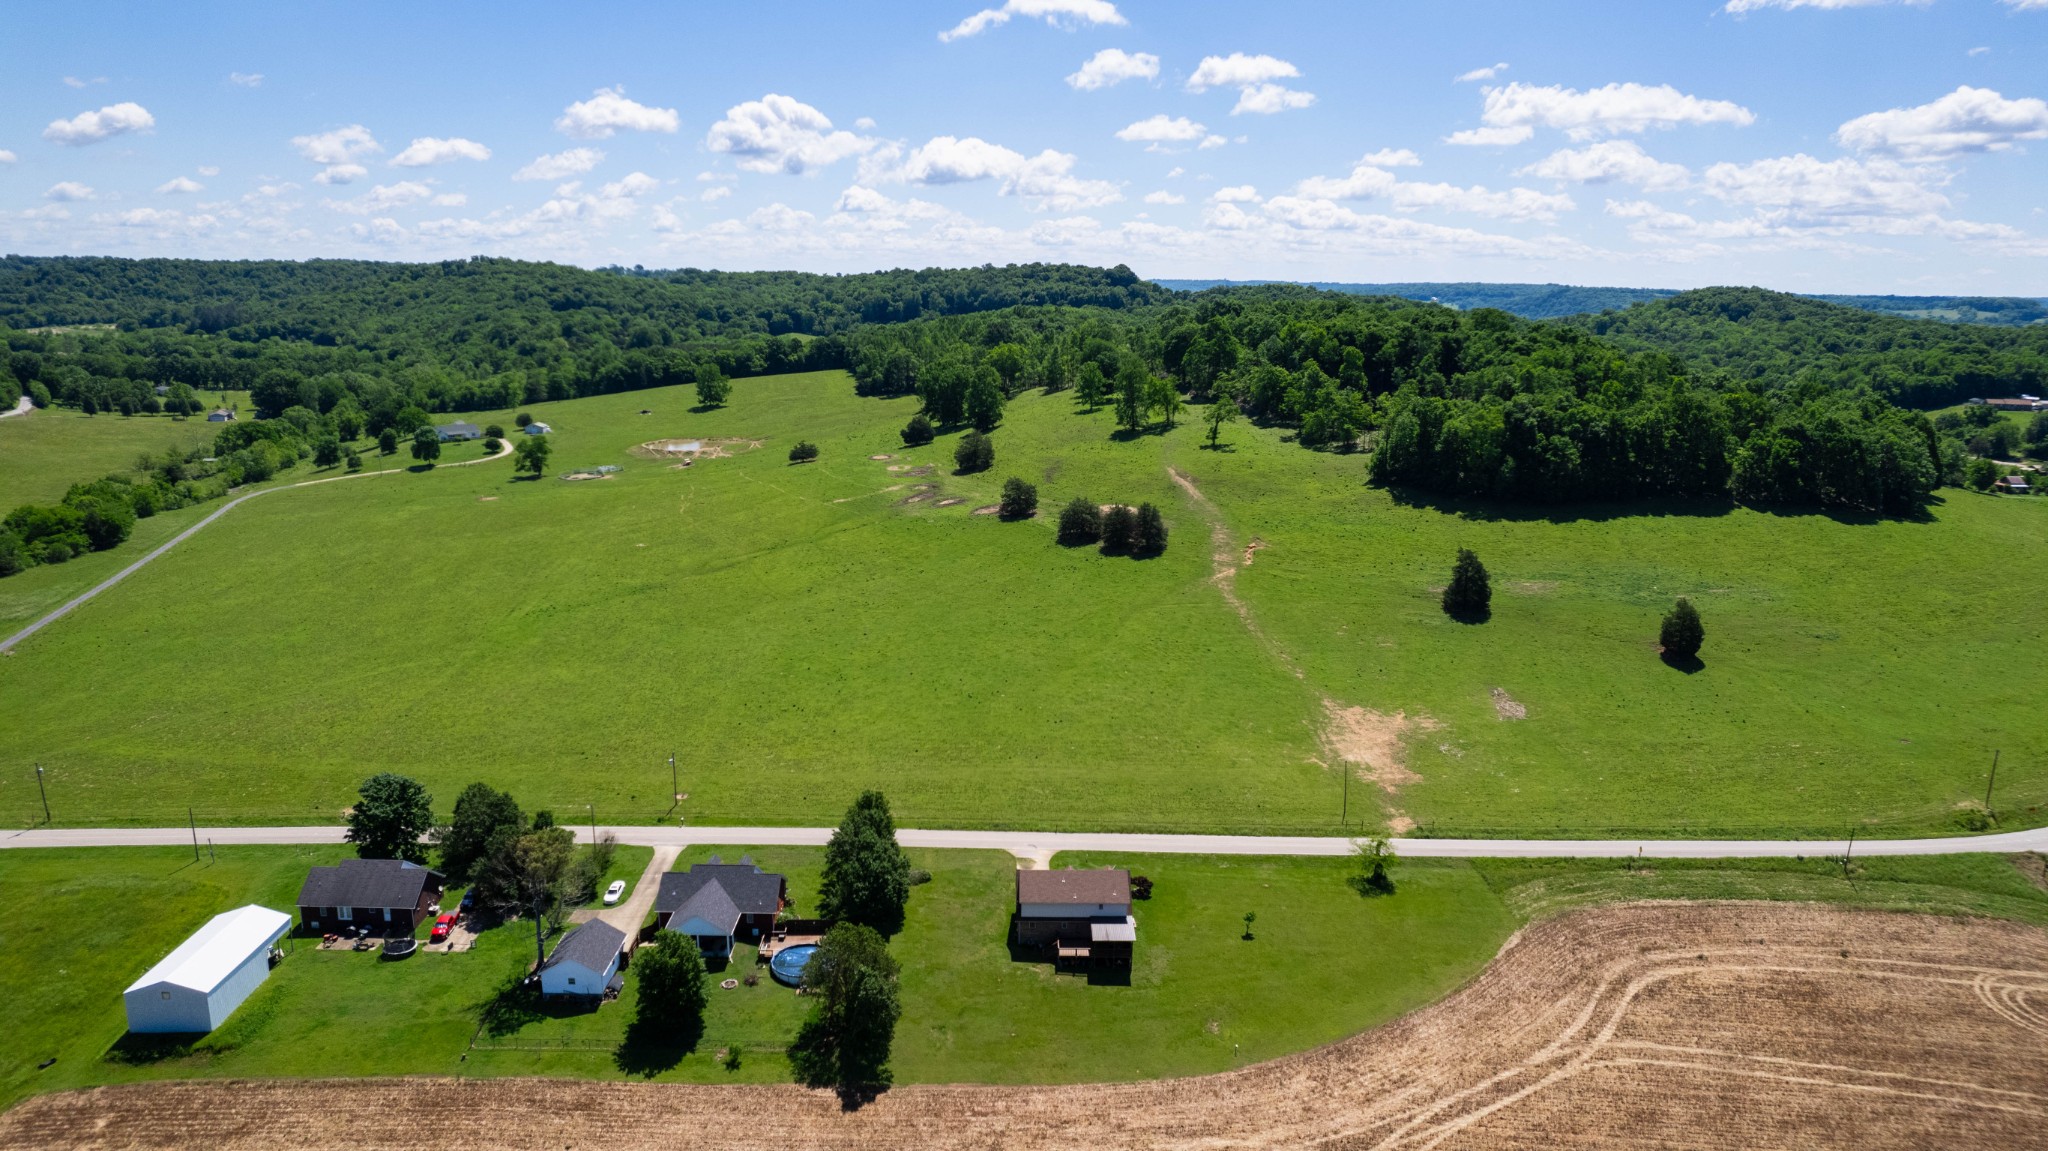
1470, 594
984, 401
484, 816
1020, 500
1682, 633
804, 452
866, 877
1080, 522
1119, 531
713, 389
918, 432
1148, 534
327, 452
391, 818
845, 1042
426, 446
974, 453
670, 974
1091, 387
387, 441
1223, 411
531, 456
1133, 396
1374, 857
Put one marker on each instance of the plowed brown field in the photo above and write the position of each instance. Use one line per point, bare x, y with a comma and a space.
1652, 1025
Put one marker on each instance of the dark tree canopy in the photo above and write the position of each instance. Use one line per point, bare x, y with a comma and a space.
1020, 500
1119, 531
484, 817
1148, 534
866, 877
670, 973
1682, 633
1470, 593
974, 453
845, 1042
391, 818
1080, 522
803, 452
918, 432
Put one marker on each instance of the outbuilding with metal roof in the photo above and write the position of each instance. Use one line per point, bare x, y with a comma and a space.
197, 986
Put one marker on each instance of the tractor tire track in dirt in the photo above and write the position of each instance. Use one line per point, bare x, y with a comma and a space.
1728, 1025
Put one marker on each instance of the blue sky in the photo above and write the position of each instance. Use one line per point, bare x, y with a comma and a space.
1812, 145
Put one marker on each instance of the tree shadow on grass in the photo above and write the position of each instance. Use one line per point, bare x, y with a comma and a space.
1471, 617
1689, 664
651, 1047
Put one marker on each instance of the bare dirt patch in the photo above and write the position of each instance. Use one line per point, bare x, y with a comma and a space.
1506, 707
1533, 587
1373, 742
1253, 548
2034, 866
694, 448
953, 502
1676, 1025
882, 457
486, 499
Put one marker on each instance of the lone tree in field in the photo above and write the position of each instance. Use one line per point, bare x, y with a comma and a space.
484, 818
387, 441
1682, 633
327, 452
672, 999
867, 877
804, 452
845, 1042
532, 456
391, 815
1119, 531
1374, 856
1020, 500
1223, 411
712, 386
521, 420
1470, 595
1149, 533
918, 432
974, 453
426, 446
1080, 522
1091, 387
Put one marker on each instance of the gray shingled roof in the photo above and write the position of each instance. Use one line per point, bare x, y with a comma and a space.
710, 904
1095, 885
593, 945
368, 883
747, 888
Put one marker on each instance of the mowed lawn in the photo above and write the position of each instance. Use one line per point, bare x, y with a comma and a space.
796, 633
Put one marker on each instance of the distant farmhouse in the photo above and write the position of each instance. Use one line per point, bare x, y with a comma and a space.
389, 896
2012, 485
196, 987
2016, 404
1082, 917
538, 429
219, 416
459, 430
585, 964
717, 903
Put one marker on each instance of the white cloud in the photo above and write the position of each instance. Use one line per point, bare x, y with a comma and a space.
1042, 181
75, 82
2025, 5
560, 164
716, 193
782, 134
208, 170
1392, 158
1114, 66
1964, 121
1391, 235
179, 185
608, 112
69, 191
1512, 204
780, 217
1978, 51
1809, 189
1161, 129
1266, 99
1165, 198
246, 79
339, 146
1176, 173
6, 157
1514, 112
865, 123
1367, 180
384, 197
1054, 12
1608, 162
1478, 74
451, 200
428, 150
92, 127
634, 185
1209, 142
1238, 70
1242, 194
1741, 7
341, 174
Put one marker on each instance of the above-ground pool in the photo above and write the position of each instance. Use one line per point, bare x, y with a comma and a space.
788, 964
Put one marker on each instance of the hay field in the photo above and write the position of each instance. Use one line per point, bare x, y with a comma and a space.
1677, 1025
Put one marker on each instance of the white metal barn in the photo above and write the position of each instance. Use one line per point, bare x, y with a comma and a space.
197, 987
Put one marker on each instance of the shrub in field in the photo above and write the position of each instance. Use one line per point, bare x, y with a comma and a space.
327, 452
1148, 535
974, 453
492, 445
1020, 500
1682, 633
1373, 856
494, 431
531, 456
804, 452
1119, 531
353, 461
1470, 594
1080, 522
918, 432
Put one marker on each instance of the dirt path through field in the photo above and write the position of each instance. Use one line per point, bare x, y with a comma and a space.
1731, 1025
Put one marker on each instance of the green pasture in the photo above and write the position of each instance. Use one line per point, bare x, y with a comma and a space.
46, 451
796, 633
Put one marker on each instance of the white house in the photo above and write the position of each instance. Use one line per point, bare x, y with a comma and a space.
197, 986
538, 429
459, 430
585, 962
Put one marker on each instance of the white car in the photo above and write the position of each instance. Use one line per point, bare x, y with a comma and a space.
612, 893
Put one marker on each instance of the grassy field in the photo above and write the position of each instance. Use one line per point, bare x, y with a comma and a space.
795, 633
1323, 963
45, 452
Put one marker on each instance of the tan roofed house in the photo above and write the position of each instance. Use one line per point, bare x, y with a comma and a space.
1082, 917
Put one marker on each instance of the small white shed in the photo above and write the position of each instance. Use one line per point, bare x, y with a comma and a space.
196, 987
586, 961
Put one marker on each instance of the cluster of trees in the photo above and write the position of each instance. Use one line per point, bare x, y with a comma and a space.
1120, 530
100, 515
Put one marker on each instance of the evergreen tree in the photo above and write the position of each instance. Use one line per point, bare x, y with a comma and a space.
867, 877
1020, 499
918, 432
1080, 522
846, 1040
1682, 633
391, 815
1119, 531
974, 453
1470, 594
670, 972
1148, 536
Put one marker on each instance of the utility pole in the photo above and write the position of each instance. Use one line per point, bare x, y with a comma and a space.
675, 782
1344, 820
1993, 783
40, 790
593, 825
190, 818
1847, 852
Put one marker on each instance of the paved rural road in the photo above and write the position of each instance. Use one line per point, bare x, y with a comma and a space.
7, 645
22, 407
1040, 845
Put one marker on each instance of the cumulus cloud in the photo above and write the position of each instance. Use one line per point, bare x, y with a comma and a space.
1964, 121
1044, 181
179, 185
714, 194
6, 157
1513, 113
1478, 74
385, 197
92, 127
1610, 162
1241, 194
559, 164
1369, 179
609, 112
69, 191
208, 170
1806, 188
1392, 158
782, 134
1114, 66
341, 174
246, 79
1266, 99
1162, 129
339, 146
428, 150
1238, 70
1165, 198
1054, 12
